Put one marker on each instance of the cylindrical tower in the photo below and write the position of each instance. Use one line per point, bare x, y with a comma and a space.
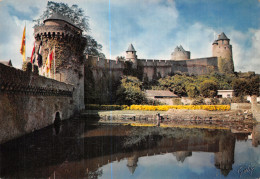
59, 32
180, 54
131, 55
223, 50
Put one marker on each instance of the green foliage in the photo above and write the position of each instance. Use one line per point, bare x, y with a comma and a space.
192, 90
239, 99
198, 101
226, 101
246, 85
78, 17
176, 101
184, 85
129, 92
214, 101
208, 88
240, 87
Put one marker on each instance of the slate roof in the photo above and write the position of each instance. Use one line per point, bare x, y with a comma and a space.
6, 62
131, 48
58, 16
215, 42
160, 93
223, 36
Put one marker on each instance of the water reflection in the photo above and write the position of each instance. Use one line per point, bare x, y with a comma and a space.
83, 151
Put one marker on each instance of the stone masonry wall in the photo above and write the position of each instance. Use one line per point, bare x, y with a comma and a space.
29, 102
198, 66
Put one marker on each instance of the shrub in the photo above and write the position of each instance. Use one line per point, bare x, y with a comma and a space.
208, 88
198, 101
226, 101
214, 101
177, 101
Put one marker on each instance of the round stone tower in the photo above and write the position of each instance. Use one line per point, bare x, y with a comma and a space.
59, 32
131, 55
180, 54
222, 49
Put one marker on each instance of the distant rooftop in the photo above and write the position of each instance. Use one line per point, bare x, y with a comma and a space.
131, 48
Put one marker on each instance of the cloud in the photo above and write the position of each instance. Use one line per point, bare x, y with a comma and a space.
246, 50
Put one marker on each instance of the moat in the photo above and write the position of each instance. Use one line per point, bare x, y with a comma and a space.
77, 149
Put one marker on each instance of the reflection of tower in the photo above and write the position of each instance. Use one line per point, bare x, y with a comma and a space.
132, 163
131, 55
223, 50
256, 135
59, 33
224, 159
182, 155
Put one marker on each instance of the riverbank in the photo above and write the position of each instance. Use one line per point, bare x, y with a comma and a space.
237, 120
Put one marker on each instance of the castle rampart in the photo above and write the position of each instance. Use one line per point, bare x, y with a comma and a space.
29, 101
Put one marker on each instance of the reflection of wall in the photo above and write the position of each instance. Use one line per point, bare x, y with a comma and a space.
95, 148
256, 135
224, 159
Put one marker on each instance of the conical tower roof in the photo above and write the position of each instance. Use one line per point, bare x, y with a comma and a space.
215, 42
223, 36
131, 48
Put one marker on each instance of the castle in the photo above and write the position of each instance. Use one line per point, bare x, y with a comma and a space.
30, 101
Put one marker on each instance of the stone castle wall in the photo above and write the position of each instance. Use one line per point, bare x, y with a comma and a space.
29, 102
156, 68
200, 66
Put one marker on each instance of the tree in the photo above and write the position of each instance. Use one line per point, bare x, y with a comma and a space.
248, 85
77, 16
192, 90
208, 88
129, 92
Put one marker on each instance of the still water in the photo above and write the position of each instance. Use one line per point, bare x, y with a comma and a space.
80, 150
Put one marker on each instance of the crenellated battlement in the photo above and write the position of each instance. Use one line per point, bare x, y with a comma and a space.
15, 81
100, 63
155, 62
58, 32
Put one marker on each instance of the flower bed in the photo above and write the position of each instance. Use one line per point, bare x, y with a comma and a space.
159, 107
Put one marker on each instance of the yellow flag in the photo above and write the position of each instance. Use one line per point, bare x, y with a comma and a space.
22, 50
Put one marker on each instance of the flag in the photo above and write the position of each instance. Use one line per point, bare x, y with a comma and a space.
47, 64
51, 57
33, 54
39, 55
22, 50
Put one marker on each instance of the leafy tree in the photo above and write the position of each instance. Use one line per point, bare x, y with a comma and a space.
240, 87
77, 16
129, 92
192, 90
246, 85
208, 88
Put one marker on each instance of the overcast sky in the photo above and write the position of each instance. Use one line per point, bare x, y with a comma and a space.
154, 27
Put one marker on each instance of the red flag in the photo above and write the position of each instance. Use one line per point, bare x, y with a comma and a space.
51, 56
33, 54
